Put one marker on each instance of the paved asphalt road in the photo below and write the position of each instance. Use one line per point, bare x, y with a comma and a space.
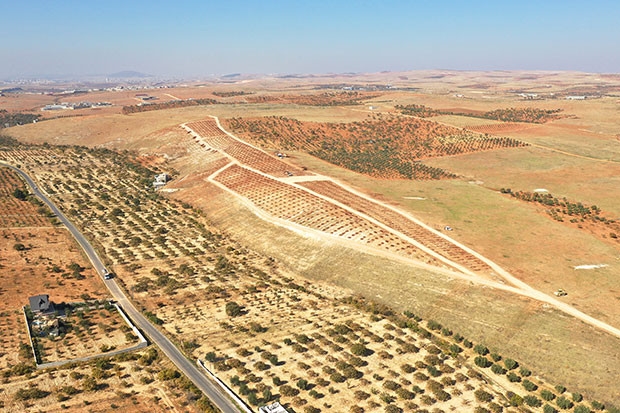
211, 390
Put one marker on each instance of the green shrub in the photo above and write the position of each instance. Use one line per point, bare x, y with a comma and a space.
547, 395
482, 361
168, 374
516, 400
549, 409
482, 350
391, 385
495, 408
337, 377
407, 368
30, 393
433, 325
442, 395
390, 408
529, 386
361, 350
405, 394
532, 401
510, 364
288, 391
233, 309
483, 396
360, 395
455, 349
563, 403
513, 377
497, 369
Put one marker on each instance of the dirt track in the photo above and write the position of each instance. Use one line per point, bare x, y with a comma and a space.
455, 270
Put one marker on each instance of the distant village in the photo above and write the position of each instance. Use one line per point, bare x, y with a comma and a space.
78, 105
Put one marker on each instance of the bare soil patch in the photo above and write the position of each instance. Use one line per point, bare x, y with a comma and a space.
39, 269
497, 128
19, 211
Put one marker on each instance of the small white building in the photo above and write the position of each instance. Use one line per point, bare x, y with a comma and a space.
272, 408
160, 180
56, 107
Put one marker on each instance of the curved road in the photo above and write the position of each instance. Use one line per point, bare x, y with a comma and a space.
211, 390
518, 287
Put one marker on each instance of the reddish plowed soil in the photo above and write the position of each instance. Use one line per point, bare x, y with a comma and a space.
497, 128
15, 212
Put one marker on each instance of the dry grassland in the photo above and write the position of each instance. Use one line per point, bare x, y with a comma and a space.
506, 323
185, 271
169, 287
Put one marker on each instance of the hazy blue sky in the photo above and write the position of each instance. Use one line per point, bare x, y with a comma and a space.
205, 37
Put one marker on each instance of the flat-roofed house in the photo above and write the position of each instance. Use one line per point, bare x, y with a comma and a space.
272, 408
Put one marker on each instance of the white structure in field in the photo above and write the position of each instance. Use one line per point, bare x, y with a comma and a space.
272, 408
160, 180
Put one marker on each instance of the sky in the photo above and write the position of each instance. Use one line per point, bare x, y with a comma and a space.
203, 37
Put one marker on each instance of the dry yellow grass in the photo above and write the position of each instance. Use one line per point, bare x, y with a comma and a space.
513, 234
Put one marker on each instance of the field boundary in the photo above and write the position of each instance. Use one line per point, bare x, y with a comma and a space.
141, 344
224, 387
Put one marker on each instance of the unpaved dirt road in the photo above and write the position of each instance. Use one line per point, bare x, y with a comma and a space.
513, 284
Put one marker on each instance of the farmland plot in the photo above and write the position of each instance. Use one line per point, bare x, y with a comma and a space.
18, 212
82, 330
199, 273
388, 148
398, 222
292, 204
298, 206
215, 138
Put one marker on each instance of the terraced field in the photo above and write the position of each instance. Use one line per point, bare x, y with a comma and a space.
213, 137
399, 222
295, 205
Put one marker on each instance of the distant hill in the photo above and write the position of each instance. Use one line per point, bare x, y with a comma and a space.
128, 74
